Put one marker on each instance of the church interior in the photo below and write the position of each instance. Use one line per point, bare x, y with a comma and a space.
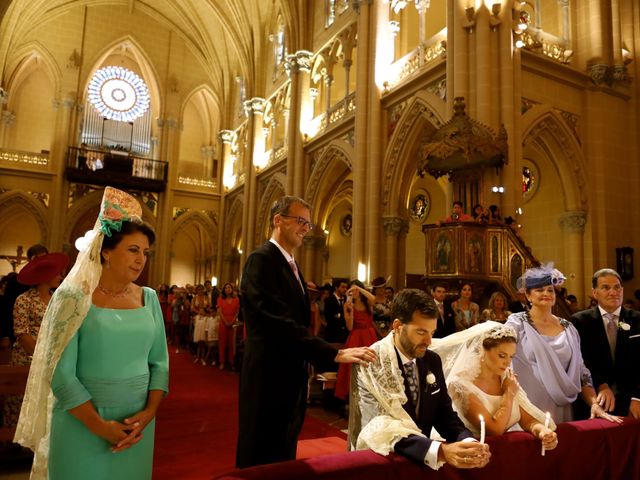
379, 113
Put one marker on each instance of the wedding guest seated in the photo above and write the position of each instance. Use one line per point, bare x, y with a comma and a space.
457, 214
497, 309
399, 397
481, 383
467, 313
548, 361
610, 345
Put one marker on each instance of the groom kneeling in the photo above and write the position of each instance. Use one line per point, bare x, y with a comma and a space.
397, 399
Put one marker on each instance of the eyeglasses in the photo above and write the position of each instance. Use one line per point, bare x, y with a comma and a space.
303, 222
606, 288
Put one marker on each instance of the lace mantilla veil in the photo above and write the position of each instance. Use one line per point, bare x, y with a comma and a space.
461, 354
64, 315
383, 379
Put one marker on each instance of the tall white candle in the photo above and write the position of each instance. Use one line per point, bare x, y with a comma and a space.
482, 429
547, 418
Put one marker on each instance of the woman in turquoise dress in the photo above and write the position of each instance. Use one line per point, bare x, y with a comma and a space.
110, 375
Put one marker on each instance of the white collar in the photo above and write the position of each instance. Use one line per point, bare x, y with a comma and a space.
288, 257
603, 312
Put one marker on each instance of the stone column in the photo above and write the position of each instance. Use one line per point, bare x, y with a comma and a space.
164, 223
58, 157
395, 234
312, 245
225, 137
300, 65
572, 224
253, 109
363, 80
375, 153
600, 54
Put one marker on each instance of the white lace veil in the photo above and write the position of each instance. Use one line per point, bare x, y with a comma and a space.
383, 379
461, 355
64, 315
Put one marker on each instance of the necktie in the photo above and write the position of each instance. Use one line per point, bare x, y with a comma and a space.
612, 332
294, 268
410, 371
441, 310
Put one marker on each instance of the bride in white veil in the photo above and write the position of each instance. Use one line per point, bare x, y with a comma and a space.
477, 365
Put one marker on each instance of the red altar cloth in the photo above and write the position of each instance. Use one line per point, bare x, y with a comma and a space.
593, 449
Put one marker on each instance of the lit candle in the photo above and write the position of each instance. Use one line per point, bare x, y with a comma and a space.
482, 432
547, 418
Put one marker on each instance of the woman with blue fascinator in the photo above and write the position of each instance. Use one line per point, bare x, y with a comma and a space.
548, 362
100, 366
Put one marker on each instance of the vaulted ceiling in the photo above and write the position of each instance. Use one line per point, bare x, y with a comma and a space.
227, 36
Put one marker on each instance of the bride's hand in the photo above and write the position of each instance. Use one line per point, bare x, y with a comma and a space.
510, 383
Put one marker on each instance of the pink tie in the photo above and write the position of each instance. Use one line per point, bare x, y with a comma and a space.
612, 332
293, 266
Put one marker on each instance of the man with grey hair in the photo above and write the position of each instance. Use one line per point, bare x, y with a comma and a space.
278, 348
610, 344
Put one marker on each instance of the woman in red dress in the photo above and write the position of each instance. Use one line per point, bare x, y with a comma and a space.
228, 309
358, 315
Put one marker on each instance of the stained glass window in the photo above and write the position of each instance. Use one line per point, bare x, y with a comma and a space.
118, 94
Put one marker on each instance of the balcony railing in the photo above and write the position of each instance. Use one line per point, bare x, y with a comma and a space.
115, 168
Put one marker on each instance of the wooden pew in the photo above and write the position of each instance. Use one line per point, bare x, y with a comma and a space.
13, 381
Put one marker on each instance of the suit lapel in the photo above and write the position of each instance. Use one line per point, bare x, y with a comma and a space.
290, 276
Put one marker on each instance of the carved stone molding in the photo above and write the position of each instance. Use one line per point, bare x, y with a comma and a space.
573, 222
254, 105
227, 136
394, 226
598, 73
549, 127
8, 118
299, 61
405, 125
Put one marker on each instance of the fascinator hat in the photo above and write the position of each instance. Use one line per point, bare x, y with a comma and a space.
62, 319
43, 268
540, 277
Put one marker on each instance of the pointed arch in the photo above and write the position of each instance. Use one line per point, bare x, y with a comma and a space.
544, 129
331, 168
26, 59
423, 114
128, 46
196, 217
233, 224
20, 200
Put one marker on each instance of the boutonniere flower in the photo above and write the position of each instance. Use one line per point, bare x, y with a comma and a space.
431, 379
624, 326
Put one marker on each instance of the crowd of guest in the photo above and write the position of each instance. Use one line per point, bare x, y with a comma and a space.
529, 360
202, 320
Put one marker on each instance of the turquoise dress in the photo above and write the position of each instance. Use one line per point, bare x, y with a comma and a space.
114, 359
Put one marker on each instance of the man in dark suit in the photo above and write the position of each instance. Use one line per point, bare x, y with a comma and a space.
336, 329
610, 344
446, 318
519, 304
427, 401
276, 310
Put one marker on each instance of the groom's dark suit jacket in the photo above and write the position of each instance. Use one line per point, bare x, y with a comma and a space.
623, 374
434, 410
273, 379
